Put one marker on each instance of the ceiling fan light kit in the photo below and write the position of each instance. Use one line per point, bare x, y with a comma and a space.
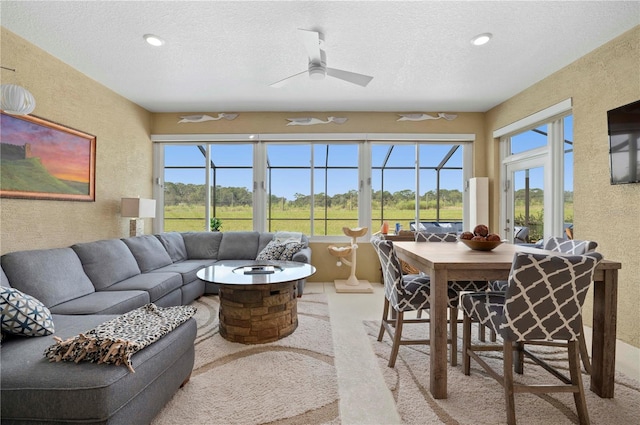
317, 65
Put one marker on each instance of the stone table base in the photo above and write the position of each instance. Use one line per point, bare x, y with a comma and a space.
257, 314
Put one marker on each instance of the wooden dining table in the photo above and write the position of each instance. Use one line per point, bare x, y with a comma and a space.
455, 261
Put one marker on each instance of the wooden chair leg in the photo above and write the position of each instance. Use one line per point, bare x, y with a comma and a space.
493, 336
466, 345
518, 362
507, 353
576, 379
584, 351
481, 332
385, 314
397, 336
453, 324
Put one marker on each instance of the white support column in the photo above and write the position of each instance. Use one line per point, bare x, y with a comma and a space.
478, 201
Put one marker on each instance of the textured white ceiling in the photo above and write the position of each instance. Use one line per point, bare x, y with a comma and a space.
222, 55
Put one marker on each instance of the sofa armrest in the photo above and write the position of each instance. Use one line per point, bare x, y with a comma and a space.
303, 256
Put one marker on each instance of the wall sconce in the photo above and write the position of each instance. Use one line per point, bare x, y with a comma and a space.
138, 208
15, 99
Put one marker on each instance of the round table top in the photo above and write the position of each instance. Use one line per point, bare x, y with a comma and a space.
252, 272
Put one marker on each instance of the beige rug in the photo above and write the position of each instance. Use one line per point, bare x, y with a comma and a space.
291, 381
478, 399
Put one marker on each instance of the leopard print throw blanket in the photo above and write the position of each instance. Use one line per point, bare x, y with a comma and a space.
116, 340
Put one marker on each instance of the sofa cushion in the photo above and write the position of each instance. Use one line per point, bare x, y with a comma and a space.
156, 284
89, 392
174, 244
239, 246
287, 237
21, 314
187, 269
52, 276
116, 340
4, 280
202, 245
103, 302
264, 239
107, 262
272, 251
148, 251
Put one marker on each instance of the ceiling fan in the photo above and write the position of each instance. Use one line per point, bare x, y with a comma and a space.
313, 42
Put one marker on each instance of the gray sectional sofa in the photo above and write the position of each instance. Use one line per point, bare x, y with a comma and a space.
90, 283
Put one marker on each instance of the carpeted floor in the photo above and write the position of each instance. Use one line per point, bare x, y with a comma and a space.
294, 381
291, 381
478, 399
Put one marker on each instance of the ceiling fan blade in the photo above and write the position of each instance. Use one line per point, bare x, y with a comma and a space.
311, 40
287, 80
351, 77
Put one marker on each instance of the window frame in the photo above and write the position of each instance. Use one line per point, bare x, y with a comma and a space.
260, 141
553, 154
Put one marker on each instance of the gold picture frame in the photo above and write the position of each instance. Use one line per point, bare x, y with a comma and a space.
45, 160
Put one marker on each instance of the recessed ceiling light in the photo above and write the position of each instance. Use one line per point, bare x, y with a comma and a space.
481, 39
154, 40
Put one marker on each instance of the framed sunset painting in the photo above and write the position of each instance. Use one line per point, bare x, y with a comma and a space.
45, 160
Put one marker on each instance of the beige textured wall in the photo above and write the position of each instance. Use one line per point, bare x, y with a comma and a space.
368, 266
358, 122
123, 152
604, 79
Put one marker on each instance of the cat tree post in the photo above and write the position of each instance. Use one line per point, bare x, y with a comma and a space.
347, 255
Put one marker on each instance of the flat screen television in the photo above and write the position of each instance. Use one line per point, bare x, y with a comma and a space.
624, 143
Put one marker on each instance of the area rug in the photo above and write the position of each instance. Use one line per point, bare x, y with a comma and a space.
478, 399
290, 381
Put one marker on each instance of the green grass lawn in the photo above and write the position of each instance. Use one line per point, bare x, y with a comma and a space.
184, 218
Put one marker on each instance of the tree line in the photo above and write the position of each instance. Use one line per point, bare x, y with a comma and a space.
194, 194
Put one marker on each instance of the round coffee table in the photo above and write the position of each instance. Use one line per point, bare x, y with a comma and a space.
258, 301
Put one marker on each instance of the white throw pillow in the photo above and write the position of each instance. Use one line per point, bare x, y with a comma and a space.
290, 250
272, 251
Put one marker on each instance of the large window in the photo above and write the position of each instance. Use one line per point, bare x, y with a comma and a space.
230, 183
538, 175
316, 187
312, 188
426, 175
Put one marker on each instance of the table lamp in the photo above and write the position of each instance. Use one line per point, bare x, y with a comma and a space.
137, 208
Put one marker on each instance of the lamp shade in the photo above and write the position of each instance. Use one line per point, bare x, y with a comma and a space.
138, 207
16, 100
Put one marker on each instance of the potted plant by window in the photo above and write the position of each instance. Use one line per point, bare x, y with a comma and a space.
215, 224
